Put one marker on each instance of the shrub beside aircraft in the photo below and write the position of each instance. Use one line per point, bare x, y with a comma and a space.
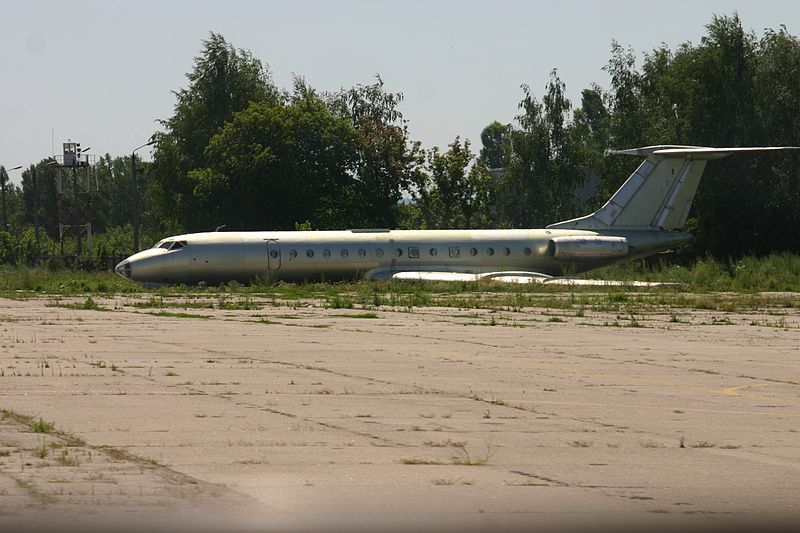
645, 216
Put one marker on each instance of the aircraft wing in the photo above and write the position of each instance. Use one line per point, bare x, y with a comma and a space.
508, 277
520, 277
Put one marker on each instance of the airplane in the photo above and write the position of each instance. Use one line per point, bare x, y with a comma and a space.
644, 217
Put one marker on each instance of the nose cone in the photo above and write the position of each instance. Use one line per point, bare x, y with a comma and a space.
124, 269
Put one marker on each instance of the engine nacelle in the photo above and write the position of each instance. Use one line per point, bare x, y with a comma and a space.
587, 248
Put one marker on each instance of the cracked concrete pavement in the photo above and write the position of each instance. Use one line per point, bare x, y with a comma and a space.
304, 414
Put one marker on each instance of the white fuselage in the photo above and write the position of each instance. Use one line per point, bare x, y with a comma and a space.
376, 254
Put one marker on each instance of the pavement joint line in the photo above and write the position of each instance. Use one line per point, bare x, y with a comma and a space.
69, 440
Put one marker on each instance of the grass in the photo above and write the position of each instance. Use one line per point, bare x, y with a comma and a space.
450, 482
715, 285
359, 315
703, 444
171, 314
41, 426
465, 458
774, 272
87, 305
417, 461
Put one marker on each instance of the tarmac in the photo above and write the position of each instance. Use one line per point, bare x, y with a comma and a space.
303, 416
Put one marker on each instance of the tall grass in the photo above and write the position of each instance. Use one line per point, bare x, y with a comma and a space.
775, 272
15, 279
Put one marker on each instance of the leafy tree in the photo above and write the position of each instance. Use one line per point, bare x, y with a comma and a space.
6, 189
494, 138
7, 251
46, 196
386, 163
545, 162
224, 80
276, 165
29, 248
446, 197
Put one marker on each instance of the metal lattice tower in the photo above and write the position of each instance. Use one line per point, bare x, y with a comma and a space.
77, 178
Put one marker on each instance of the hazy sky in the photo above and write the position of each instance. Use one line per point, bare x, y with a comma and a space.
102, 72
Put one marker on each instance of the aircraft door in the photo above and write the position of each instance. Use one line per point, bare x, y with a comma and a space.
273, 255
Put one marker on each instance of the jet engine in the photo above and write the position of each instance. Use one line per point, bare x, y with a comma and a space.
587, 248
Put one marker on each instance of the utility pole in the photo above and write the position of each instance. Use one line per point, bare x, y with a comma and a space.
135, 177
35, 204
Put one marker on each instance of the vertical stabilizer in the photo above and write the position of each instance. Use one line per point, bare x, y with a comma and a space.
659, 194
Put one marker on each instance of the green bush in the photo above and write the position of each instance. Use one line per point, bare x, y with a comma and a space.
7, 252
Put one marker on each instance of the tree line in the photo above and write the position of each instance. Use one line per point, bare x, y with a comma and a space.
242, 153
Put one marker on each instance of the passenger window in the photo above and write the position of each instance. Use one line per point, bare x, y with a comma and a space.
455, 251
473, 251
326, 253
309, 253
344, 252
527, 251
398, 252
379, 252
292, 254
274, 254
490, 251
433, 252
362, 252
413, 252
506, 251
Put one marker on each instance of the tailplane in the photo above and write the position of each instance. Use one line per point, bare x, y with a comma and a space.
659, 194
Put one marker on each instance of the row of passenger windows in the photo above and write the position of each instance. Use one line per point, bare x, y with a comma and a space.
413, 252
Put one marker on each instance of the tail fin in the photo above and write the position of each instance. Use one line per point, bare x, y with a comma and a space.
658, 195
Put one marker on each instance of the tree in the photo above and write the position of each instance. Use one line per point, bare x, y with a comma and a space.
545, 161
386, 163
224, 80
4, 193
277, 165
46, 200
446, 197
494, 139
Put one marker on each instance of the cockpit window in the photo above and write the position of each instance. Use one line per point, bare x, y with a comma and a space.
172, 245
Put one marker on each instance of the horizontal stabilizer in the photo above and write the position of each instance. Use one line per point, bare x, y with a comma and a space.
695, 152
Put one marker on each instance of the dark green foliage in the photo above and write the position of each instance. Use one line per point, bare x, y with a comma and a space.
732, 89
274, 165
385, 163
239, 152
224, 81
454, 192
